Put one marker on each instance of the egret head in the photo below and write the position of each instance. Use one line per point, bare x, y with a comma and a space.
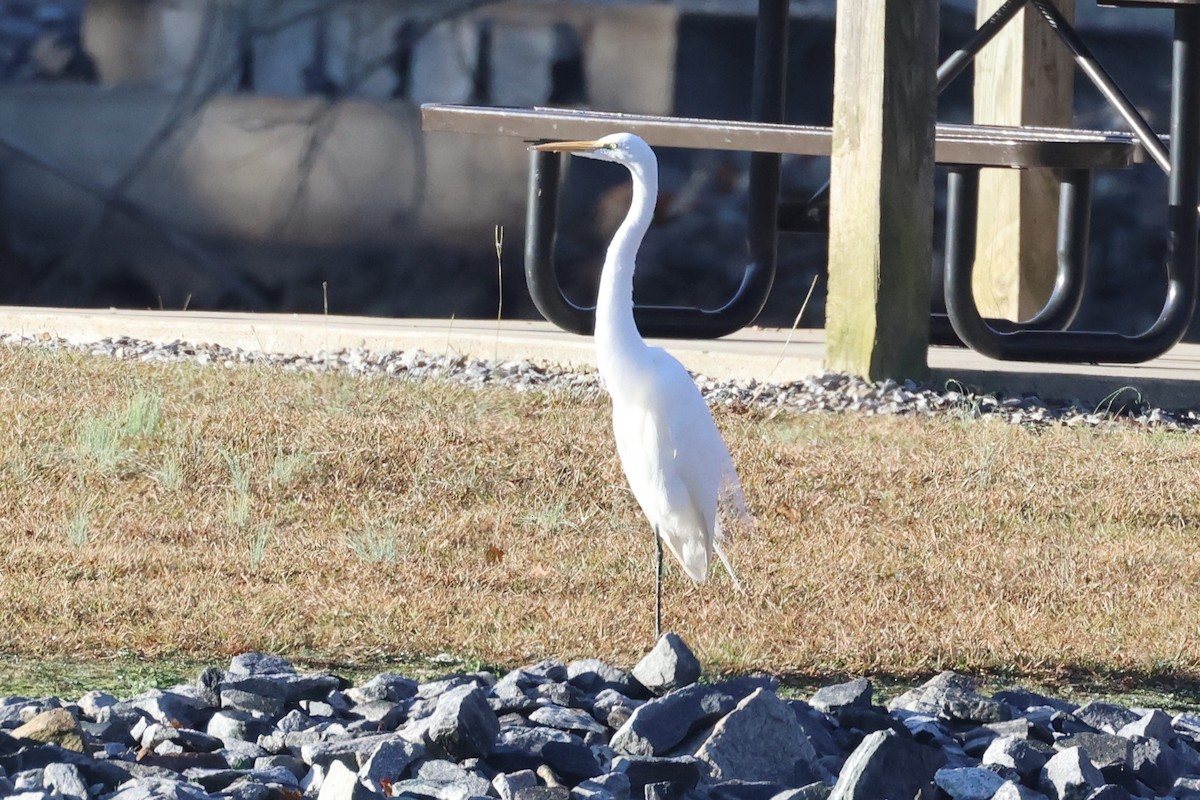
623, 148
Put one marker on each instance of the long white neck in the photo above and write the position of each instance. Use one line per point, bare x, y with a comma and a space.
616, 333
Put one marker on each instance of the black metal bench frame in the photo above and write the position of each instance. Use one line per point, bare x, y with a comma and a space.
965, 148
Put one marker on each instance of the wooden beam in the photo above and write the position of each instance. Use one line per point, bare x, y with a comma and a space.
1023, 77
881, 187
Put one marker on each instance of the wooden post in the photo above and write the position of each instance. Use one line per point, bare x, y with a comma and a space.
1023, 77
881, 187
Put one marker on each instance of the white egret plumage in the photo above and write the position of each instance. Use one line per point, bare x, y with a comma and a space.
677, 464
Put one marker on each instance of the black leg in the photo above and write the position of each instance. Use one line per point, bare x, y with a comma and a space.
657, 586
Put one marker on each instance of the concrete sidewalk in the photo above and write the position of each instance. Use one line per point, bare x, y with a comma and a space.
765, 354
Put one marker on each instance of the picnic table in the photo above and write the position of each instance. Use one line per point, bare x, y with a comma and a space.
965, 149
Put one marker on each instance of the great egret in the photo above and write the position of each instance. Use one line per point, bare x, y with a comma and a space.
674, 458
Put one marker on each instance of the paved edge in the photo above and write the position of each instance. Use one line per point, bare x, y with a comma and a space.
765, 355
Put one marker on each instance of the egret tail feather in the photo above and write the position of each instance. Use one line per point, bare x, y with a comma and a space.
728, 568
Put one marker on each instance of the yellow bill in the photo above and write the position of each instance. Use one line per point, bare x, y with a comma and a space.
567, 147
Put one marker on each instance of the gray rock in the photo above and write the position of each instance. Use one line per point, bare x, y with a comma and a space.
567, 719
1153, 724
682, 773
180, 707
761, 740
1110, 792
951, 696
352, 751
241, 700
1155, 765
543, 793
91, 703
1069, 775
817, 729
158, 789
1188, 788
659, 724
451, 776
968, 783
506, 697
1011, 790
341, 783
388, 761
814, 791
260, 664
593, 676
669, 665
1016, 754
66, 780
507, 784
463, 725
229, 724
852, 694
1105, 716
385, 686
613, 708
1110, 754
885, 766
615, 785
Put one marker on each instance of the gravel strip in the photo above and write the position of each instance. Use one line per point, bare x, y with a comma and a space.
831, 392
261, 730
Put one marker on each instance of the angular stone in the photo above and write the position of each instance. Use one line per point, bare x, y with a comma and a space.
1105, 716
341, 783
1151, 725
669, 665
567, 719
507, 784
1155, 765
968, 783
885, 766
543, 793
613, 708
817, 728
659, 724
1016, 754
593, 675
452, 776
385, 686
852, 694
1108, 753
158, 788
351, 751
572, 760
91, 703
463, 725
612, 784
953, 697
1011, 790
1110, 791
260, 664
1069, 775
1187, 788
744, 790
66, 780
180, 706
388, 761
241, 700
681, 773
761, 740
814, 791
230, 724
55, 726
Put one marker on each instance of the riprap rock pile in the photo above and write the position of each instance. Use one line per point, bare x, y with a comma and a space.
261, 730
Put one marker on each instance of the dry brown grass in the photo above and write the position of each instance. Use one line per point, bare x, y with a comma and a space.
350, 520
